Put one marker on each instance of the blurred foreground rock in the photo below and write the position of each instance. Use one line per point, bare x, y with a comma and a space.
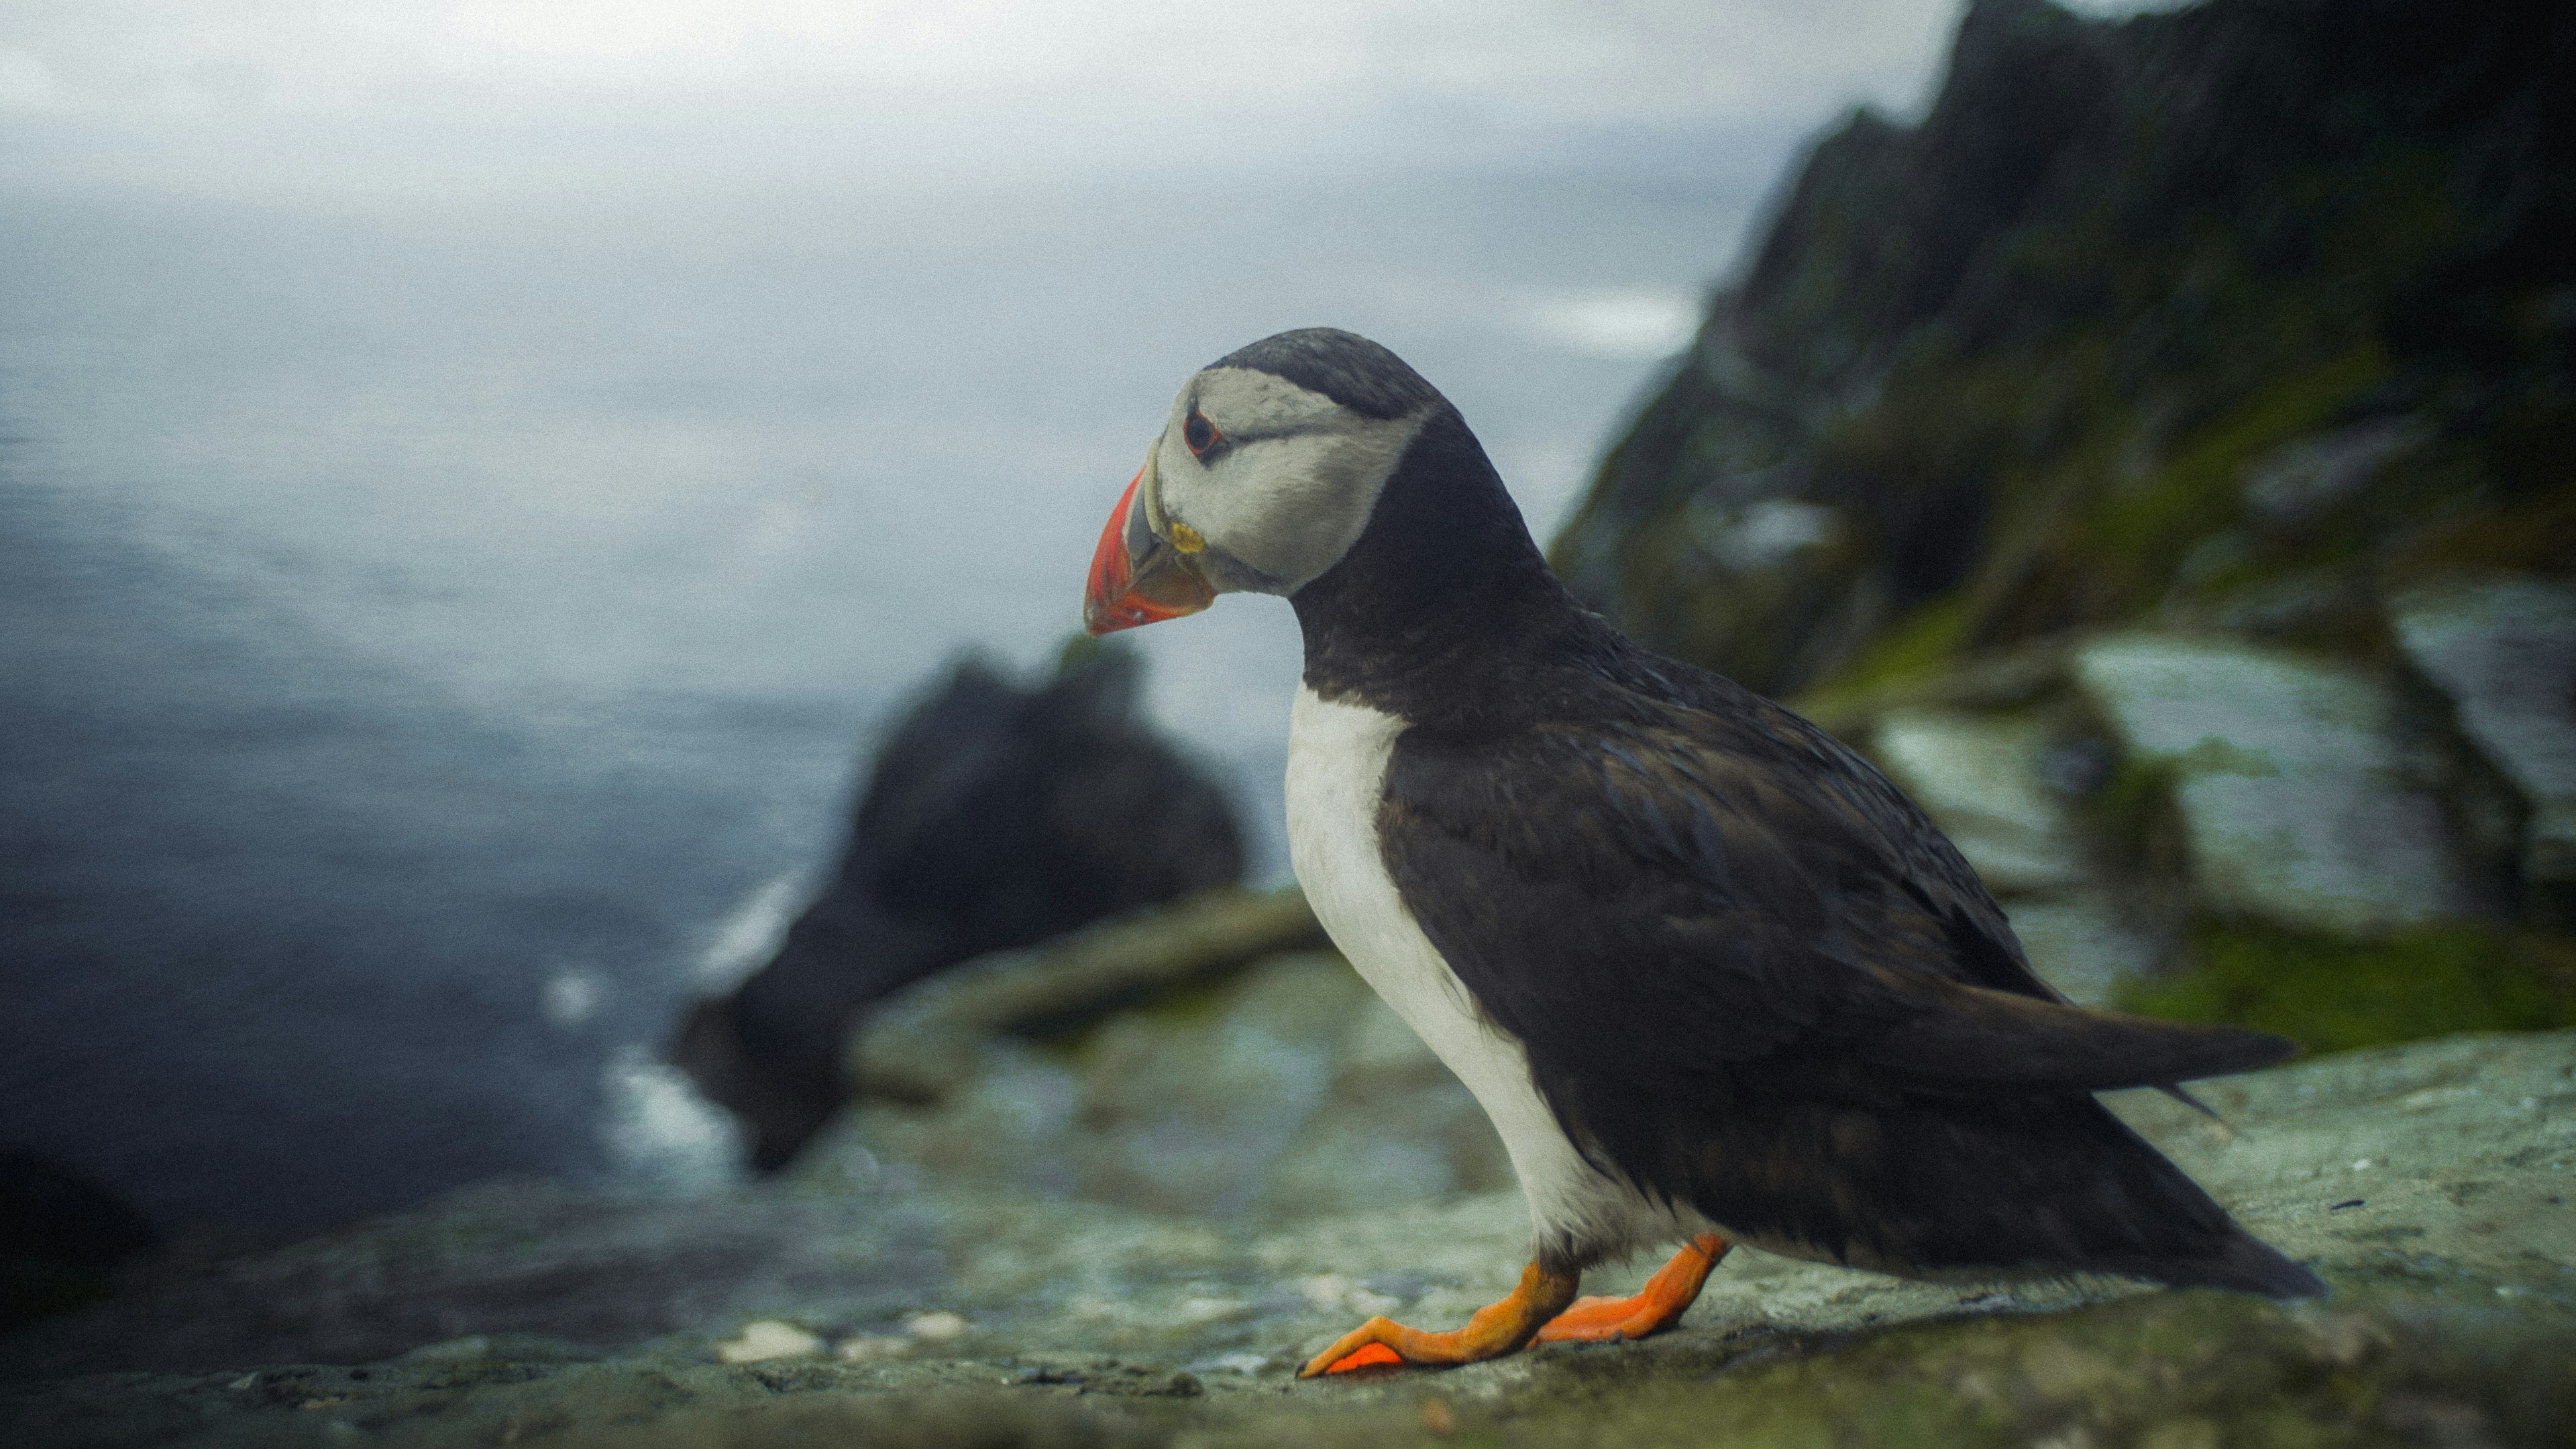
854, 1303
994, 817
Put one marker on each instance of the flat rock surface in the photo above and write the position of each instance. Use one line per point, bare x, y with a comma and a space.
2301, 785
2427, 1183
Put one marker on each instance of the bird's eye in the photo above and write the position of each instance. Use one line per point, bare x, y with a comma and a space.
1200, 434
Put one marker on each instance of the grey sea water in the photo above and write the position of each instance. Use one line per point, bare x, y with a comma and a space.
431, 650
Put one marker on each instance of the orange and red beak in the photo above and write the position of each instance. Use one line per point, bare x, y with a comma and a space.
1138, 576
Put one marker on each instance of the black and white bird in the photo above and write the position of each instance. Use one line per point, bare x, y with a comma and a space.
1713, 978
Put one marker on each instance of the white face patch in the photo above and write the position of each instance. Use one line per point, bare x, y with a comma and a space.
1291, 487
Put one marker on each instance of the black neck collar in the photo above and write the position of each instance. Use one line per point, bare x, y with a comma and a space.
1443, 585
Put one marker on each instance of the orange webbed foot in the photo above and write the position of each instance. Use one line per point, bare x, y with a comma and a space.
1494, 1330
1656, 1307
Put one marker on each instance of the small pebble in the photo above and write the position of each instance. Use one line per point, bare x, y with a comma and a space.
767, 1338
938, 1326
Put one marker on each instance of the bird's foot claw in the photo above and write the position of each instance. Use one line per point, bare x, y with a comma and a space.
1366, 1347
1658, 1306
1495, 1330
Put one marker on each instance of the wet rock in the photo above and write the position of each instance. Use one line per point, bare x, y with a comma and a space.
1285, 1089
493, 1271
1190, 1118
1984, 780
995, 817
2504, 648
2301, 789
2426, 1183
1395, 1128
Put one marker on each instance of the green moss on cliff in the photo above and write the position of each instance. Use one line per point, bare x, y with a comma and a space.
2331, 995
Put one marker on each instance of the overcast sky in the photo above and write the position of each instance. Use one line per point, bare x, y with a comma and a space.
316, 98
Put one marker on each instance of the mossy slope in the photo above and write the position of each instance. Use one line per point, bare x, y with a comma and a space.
2025, 353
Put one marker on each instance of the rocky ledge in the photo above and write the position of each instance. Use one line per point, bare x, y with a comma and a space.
863, 1302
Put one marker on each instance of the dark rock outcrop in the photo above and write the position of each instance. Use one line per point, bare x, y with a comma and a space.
995, 817
62, 1237
2027, 366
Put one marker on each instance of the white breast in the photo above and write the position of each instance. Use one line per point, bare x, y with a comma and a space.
1337, 761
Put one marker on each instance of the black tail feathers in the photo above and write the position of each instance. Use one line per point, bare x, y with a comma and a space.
2242, 1264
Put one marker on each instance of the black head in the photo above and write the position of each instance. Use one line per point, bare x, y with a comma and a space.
1344, 366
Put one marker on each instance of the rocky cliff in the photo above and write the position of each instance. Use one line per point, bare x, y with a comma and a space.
2163, 460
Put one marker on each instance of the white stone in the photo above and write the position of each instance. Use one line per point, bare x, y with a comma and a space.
1979, 778
2504, 648
936, 1326
767, 1338
2303, 798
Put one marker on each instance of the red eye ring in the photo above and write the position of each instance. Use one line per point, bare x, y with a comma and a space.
1200, 434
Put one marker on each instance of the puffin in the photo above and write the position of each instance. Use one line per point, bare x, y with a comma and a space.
1711, 976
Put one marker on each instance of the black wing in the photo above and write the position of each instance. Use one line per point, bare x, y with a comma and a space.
1684, 889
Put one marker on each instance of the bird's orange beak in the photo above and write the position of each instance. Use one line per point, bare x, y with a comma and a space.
1138, 576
